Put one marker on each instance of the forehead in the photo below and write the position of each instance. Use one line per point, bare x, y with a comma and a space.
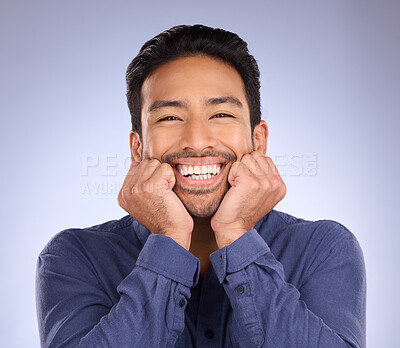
194, 79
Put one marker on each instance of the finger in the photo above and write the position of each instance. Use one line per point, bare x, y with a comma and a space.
132, 167
266, 164
238, 170
272, 166
126, 189
163, 178
275, 179
131, 171
144, 171
257, 154
250, 161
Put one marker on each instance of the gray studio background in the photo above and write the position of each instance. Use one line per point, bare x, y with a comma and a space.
330, 93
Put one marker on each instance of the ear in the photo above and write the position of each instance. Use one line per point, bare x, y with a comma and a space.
135, 146
260, 136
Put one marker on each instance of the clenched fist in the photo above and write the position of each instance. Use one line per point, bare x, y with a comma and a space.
256, 188
147, 196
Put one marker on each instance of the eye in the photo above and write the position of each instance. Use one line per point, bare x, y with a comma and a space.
168, 118
221, 115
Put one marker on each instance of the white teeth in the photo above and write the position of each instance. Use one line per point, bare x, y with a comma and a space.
200, 172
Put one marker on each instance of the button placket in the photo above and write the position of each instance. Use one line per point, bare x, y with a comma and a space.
209, 334
212, 299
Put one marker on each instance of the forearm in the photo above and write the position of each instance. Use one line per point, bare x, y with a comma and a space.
268, 311
150, 310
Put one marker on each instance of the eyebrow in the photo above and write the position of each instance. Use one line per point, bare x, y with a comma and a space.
159, 104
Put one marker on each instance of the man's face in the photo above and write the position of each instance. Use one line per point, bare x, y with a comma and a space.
195, 116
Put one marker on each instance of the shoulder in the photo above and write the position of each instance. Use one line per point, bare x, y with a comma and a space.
304, 246
316, 239
288, 225
101, 255
97, 237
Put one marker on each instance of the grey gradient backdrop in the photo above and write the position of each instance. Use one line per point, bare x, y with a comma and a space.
330, 93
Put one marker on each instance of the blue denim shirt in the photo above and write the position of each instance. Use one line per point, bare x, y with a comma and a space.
286, 283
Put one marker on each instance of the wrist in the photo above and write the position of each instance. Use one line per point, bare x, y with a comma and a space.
228, 236
183, 239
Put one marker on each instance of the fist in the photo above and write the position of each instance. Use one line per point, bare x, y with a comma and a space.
256, 187
147, 196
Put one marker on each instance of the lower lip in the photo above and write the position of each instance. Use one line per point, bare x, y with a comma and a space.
203, 182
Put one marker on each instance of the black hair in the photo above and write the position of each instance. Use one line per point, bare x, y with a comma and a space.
186, 41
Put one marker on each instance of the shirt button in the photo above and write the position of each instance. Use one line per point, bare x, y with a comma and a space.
240, 289
182, 303
209, 334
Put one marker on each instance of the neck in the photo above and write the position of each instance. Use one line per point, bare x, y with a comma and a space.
203, 243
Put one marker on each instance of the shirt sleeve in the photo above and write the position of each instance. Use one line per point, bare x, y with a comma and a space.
74, 310
328, 309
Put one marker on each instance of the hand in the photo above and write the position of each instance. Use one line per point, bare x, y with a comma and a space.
256, 188
147, 196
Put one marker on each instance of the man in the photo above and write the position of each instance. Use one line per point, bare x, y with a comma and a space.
202, 259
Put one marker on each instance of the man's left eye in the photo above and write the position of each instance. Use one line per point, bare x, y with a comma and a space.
220, 115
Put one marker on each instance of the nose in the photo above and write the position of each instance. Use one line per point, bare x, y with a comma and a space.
197, 136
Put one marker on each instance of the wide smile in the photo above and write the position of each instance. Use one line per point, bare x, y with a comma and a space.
202, 171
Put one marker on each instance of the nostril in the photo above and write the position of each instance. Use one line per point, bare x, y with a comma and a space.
198, 139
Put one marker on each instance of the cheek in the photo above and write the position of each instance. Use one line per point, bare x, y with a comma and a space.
238, 140
156, 143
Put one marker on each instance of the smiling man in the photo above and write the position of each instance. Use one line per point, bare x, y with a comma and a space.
202, 259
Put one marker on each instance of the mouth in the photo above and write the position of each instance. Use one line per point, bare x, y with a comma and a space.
201, 171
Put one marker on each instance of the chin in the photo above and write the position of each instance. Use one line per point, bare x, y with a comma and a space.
202, 211
202, 204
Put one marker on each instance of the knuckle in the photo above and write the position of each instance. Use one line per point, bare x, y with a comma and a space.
125, 191
151, 186
146, 187
124, 196
120, 199
247, 158
136, 188
166, 169
275, 183
253, 183
267, 184
153, 162
283, 189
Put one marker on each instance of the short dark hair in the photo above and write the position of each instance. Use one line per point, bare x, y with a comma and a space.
186, 41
